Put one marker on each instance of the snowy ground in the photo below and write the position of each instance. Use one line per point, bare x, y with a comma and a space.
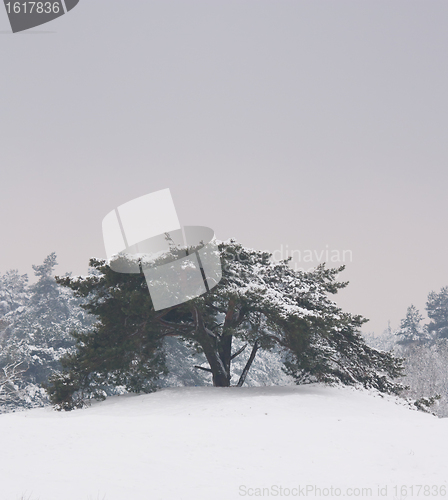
210, 443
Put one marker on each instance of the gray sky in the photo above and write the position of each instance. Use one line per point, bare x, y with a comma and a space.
280, 123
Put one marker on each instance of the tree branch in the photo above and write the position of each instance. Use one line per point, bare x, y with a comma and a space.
229, 314
248, 364
202, 368
237, 353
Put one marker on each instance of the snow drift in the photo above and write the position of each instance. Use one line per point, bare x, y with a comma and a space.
224, 443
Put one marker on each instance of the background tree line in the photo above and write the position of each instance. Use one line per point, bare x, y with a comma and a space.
424, 348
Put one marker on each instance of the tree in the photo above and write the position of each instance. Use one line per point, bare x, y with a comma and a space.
264, 304
38, 335
10, 380
437, 308
411, 331
13, 291
426, 372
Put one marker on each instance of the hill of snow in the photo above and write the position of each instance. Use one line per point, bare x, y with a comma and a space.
225, 443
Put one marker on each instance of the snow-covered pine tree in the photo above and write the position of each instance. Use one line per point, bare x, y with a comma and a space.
424, 349
437, 309
37, 335
263, 304
411, 330
14, 295
13, 291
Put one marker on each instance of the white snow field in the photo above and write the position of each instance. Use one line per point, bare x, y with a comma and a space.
226, 443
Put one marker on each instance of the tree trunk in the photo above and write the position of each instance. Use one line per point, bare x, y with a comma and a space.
225, 342
210, 345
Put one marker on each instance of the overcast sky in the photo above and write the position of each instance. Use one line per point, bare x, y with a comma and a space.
311, 125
